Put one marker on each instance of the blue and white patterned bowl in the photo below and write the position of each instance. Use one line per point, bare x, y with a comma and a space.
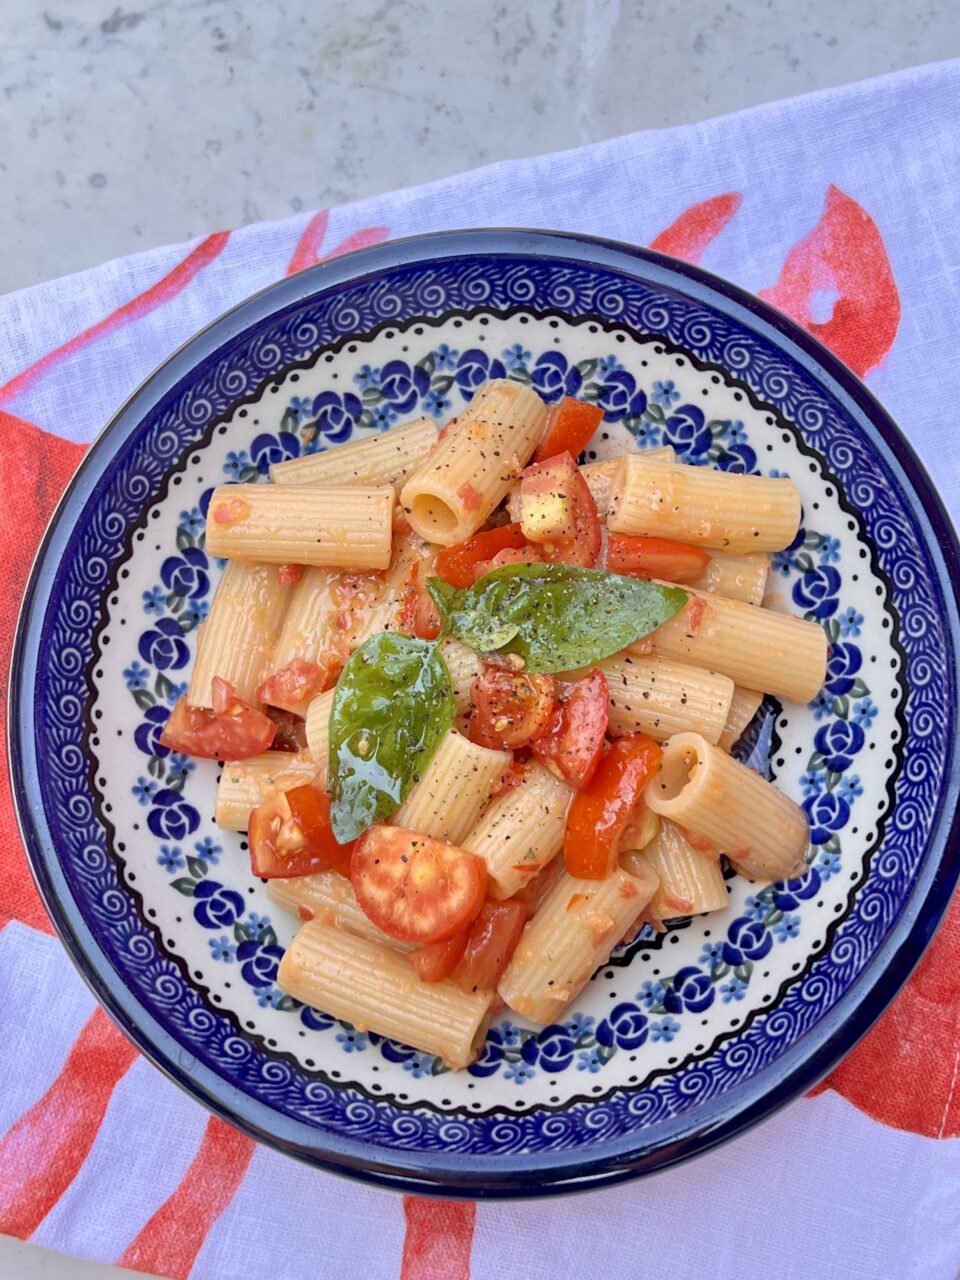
682, 1040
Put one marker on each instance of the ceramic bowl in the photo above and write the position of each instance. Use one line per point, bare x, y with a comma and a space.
682, 1039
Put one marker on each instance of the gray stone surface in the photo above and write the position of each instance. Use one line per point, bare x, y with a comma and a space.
127, 125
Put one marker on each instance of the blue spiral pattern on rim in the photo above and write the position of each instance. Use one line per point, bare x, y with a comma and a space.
138, 474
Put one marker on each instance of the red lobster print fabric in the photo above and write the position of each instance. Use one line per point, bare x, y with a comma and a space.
842, 210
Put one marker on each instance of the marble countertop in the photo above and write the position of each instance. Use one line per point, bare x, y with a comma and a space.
127, 125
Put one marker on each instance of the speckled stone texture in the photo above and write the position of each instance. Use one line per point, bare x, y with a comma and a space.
126, 126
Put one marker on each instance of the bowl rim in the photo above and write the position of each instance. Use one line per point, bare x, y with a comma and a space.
802, 1065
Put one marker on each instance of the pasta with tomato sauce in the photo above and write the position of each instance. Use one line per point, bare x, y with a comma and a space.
511, 684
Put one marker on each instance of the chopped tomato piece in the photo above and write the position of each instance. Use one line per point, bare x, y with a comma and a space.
233, 730
291, 730
455, 564
572, 742
294, 685
437, 960
492, 941
469, 496
418, 613
513, 775
570, 429
510, 708
643, 557
599, 815
290, 835
310, 808
288, 574
557, 511
415, 887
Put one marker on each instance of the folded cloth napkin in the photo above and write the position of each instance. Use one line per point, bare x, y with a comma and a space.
843, 209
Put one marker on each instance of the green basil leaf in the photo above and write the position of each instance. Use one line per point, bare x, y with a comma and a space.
555, 616
392, 705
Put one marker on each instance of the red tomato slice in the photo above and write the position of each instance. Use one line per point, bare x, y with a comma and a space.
572, 742
643, 557
418, 614
415, 887
455, 564
289, 842
294, 685
438, 960
570, 429
598, 816
557, 511
310, 809
492, 941
510, 708
233, 730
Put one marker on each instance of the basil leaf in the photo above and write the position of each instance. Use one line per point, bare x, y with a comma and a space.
555, 616
392, 705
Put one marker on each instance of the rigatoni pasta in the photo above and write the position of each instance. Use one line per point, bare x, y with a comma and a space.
375, 988
756, 648
237, 639
468, 474
343, 528
458, 782
382, 459
571, 935
713, 509
660, 698
244, 784
707, 792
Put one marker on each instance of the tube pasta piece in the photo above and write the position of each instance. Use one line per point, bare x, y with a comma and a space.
691, 883
376, 989
382, 459
348, 528
464, 667
237, 639
521, 831
448, 799
468, 474
317, 727
329, 898
757, 648
708, 793
657, 697
244, 784
736, 577
599, 478
711, 509
572, 934
743, 708
308, 632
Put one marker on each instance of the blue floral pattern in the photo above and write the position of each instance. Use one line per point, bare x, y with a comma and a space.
652, 414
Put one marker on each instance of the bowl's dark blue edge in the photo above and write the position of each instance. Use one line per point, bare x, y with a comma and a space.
515, 1175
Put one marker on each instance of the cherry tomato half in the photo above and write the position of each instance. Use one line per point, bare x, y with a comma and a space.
510, 708
437, 960
644, 557
598, 816
415, 887
558, 513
